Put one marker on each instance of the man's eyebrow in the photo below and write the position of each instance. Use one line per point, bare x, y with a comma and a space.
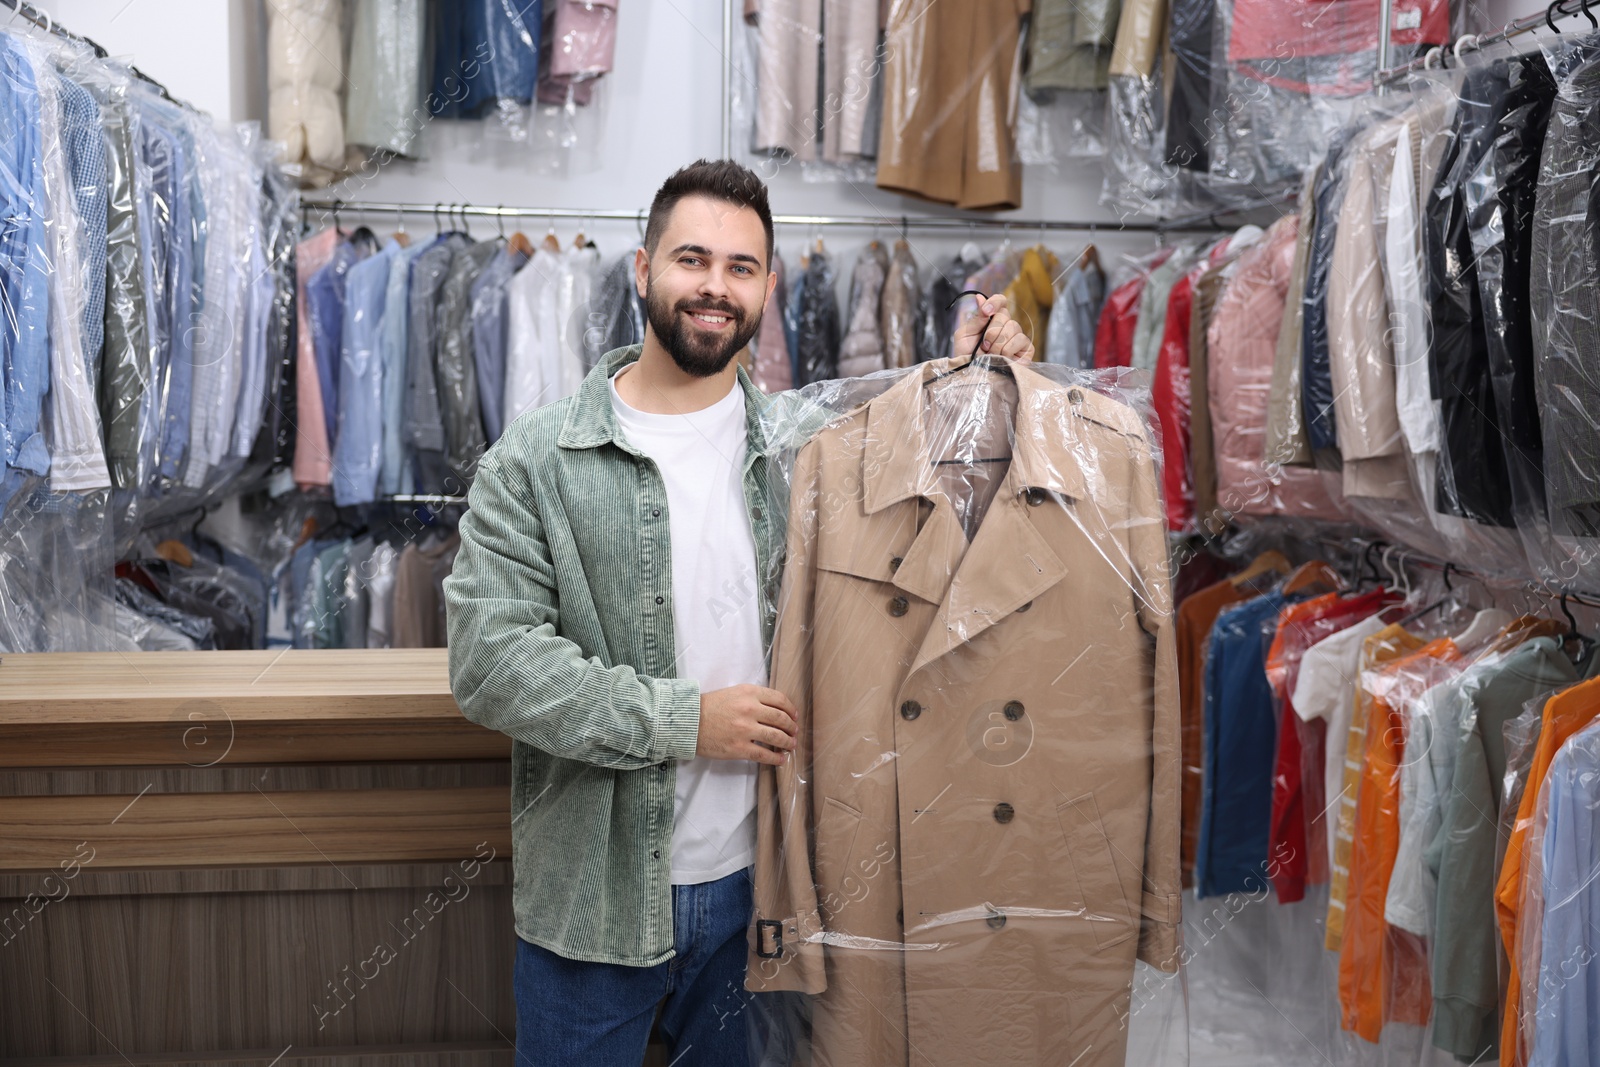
702, 250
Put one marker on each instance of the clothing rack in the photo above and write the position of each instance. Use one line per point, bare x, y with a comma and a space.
43, 20
904, 223
1516, 28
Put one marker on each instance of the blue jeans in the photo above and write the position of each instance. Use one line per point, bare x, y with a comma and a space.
600, 1014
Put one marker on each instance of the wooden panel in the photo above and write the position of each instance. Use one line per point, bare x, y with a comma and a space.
248, 829
202, 708
28, 781
341, 971
88, 882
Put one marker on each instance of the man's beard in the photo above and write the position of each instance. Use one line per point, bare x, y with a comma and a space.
698, 353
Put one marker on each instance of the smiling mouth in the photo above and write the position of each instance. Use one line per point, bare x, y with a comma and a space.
710, 320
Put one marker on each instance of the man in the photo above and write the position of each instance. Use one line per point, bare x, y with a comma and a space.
610, 610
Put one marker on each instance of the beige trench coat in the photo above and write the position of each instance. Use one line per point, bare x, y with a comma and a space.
979, 828
949, 102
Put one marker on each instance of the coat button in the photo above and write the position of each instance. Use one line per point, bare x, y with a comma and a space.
1003, 813
996, 921
1036, 496
910, 710
898, 606
1025, 607
1013, 710
894, 564
1075, 395
661, 600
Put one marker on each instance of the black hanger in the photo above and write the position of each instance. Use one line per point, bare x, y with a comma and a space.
1449, 592
979, 358
1549, 12
1590, 16
1586, 644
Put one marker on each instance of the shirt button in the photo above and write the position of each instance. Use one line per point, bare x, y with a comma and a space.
894, 564
656, 853
655, 513
898, 606
1004, 813
755, 513
1025, 607
661, 600
910, 710
997, 921
661, 766
1013, 710
1036, 496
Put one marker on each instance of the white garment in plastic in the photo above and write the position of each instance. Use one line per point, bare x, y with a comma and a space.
77, 458
531, 307
384, 104
305, 70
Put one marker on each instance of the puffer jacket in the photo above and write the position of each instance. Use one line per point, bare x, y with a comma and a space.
862, 350
304, 71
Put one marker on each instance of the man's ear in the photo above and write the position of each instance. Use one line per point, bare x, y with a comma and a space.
772, 283
641, 271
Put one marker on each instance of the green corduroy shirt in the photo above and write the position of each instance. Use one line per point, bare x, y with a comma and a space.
561, 636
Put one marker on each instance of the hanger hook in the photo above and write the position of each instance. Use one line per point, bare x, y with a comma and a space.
500, 220
1467, 40
1549, 16
1590, 16
1572, 623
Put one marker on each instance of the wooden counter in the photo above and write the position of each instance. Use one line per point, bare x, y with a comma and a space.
286, 857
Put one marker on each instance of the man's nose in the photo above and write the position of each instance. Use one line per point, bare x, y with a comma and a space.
713, 283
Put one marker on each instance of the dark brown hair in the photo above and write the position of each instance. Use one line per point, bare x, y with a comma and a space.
719, 179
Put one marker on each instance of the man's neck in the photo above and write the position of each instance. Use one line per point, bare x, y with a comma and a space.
655, 384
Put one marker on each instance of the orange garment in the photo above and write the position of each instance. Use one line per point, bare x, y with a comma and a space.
1196, 615
1564, 715
1383, 971
1385, 646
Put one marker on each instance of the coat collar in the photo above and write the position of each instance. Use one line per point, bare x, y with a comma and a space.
1052, 448
591, 422
1059, 449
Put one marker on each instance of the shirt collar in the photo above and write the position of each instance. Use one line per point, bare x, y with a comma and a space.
591, 421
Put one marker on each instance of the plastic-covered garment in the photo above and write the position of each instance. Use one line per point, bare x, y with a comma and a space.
305, 71
1286, 440
1473, 481
1069, 45
383, 106
1565, 305
1189, 114
1316, 380
1119, 319
897, 320
1565, 715
486, 59
949, 90
1383, 972
584, 37
862, 350
1075, 314
530, 307
454, 366
1151, 324
25, 266
816, 65
616, 313
816, 349
1031, 294
274, 445
490, 319
1568, 976
978, 831
1297, 839
773, 372
358, 442
1241, 359
424, 422
1137, 177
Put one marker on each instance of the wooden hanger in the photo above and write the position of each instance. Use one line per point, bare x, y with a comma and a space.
1309, 574
1269, 561
1090, 254
176, 552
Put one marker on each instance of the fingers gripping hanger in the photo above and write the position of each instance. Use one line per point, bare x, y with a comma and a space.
979, 358
1586, 644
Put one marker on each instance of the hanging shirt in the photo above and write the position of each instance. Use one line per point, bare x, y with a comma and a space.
358, 444
489, 320
396, 475
313, 452
715, 613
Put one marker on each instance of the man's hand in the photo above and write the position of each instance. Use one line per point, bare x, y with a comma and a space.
1004, 337
746, 722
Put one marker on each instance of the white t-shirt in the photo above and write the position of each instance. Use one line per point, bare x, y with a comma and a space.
715, 613
1326, 690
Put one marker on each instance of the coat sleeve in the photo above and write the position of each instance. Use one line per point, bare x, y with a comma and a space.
785, 939
1161, 904
510, 669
